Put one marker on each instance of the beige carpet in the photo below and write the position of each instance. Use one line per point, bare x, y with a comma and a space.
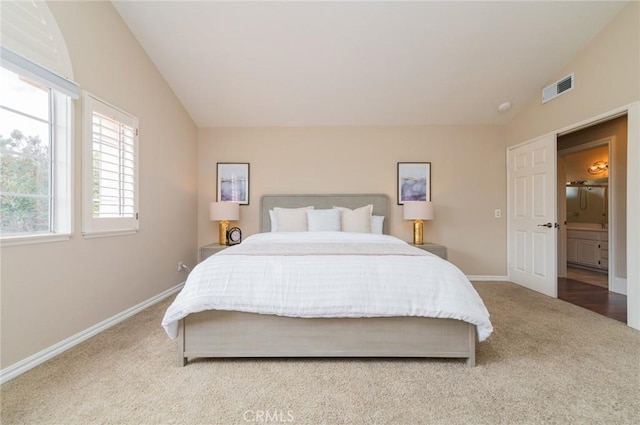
547, 362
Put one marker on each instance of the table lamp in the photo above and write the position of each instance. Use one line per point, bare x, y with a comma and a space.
418, 211
224, 212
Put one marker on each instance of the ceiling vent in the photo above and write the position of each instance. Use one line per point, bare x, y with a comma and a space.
556, 89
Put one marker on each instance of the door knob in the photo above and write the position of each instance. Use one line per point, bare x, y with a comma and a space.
549, 225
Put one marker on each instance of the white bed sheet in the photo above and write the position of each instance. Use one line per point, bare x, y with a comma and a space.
414, 283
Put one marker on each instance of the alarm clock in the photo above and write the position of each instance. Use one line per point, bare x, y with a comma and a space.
234, 236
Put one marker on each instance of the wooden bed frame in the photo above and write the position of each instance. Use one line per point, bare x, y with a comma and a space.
216, 333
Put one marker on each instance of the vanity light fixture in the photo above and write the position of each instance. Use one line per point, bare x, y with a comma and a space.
224, 212
418, 211
598, 167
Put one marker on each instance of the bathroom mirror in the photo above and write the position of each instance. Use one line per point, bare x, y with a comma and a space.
587, 201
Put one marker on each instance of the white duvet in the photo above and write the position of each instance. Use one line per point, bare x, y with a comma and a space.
318, 274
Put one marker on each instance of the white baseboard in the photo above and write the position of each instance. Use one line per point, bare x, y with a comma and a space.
30, 362
483, 278
619, 285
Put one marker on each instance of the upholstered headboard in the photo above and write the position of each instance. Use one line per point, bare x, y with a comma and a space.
380, 202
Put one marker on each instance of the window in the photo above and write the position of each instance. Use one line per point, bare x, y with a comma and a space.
110, 169
35, 152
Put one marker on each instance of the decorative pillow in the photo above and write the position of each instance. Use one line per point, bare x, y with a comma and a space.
291, 219
358, 220
324, 220
376, 224
274, 221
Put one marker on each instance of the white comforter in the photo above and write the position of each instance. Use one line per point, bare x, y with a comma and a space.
292, 281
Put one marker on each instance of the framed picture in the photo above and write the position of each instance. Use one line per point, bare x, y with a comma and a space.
414, 181
233, 182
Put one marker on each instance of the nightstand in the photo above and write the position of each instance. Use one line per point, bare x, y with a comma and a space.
209, 250
439, 250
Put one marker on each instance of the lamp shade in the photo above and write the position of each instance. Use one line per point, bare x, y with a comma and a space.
418, 210
219, 211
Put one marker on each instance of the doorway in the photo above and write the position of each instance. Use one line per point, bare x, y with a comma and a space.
604, 143
584, 205
592, 215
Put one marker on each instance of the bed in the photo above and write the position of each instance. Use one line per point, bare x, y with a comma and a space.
221, 325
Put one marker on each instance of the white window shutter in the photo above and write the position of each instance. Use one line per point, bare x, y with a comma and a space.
110, 169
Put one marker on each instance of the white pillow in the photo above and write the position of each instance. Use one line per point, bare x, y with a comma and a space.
358, 220
376, 224
274, 221
324, 220
291, 219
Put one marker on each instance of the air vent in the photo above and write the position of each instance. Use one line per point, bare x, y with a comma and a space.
556, 89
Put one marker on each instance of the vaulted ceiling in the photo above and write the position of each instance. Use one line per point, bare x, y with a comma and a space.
360, 63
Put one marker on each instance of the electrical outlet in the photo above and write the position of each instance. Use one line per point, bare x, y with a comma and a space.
180, 266
497, 214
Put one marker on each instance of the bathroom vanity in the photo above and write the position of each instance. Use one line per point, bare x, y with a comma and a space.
588, 246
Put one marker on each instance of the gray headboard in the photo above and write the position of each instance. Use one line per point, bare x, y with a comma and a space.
380, 202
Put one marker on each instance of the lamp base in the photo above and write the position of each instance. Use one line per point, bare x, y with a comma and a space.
222, 230
418, 235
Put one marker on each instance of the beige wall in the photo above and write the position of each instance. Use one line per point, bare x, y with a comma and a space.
467, 170
52, 291
606, 79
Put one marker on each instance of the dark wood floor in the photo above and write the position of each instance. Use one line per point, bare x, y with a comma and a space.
593, 298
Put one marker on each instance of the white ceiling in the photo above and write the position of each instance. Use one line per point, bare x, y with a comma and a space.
360, 63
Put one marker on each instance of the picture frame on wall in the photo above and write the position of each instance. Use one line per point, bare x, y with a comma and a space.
232, 182
414, 181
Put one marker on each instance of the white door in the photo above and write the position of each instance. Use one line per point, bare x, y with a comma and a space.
532, 222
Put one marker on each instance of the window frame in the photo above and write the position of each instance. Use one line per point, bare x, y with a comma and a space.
105, 226
62, 93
